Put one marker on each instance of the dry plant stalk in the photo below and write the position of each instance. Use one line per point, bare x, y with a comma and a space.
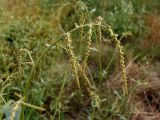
86, 55
33, 106
82, 21
20, 61
21, 102
69, 50
99, 22
122, 62
77, 68
15, 109
87, 52
18, 95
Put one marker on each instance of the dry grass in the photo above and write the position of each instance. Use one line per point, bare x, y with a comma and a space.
153, 37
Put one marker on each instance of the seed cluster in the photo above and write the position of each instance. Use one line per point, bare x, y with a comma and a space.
78, 69
15, 109
69, 50
122, 62
21, 102
99, 22
82, 21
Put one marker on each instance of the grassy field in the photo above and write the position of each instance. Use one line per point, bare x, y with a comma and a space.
79, 60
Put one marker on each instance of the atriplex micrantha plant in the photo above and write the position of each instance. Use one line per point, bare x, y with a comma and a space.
79, 69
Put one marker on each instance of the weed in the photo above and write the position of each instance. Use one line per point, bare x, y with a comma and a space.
59, 55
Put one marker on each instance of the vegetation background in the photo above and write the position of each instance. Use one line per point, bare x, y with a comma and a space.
39, 64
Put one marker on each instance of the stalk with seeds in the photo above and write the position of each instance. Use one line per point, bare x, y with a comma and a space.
99, 22
73, 58
87, 52
82, 21
15, 109
86, 55
33, 106
122, 62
